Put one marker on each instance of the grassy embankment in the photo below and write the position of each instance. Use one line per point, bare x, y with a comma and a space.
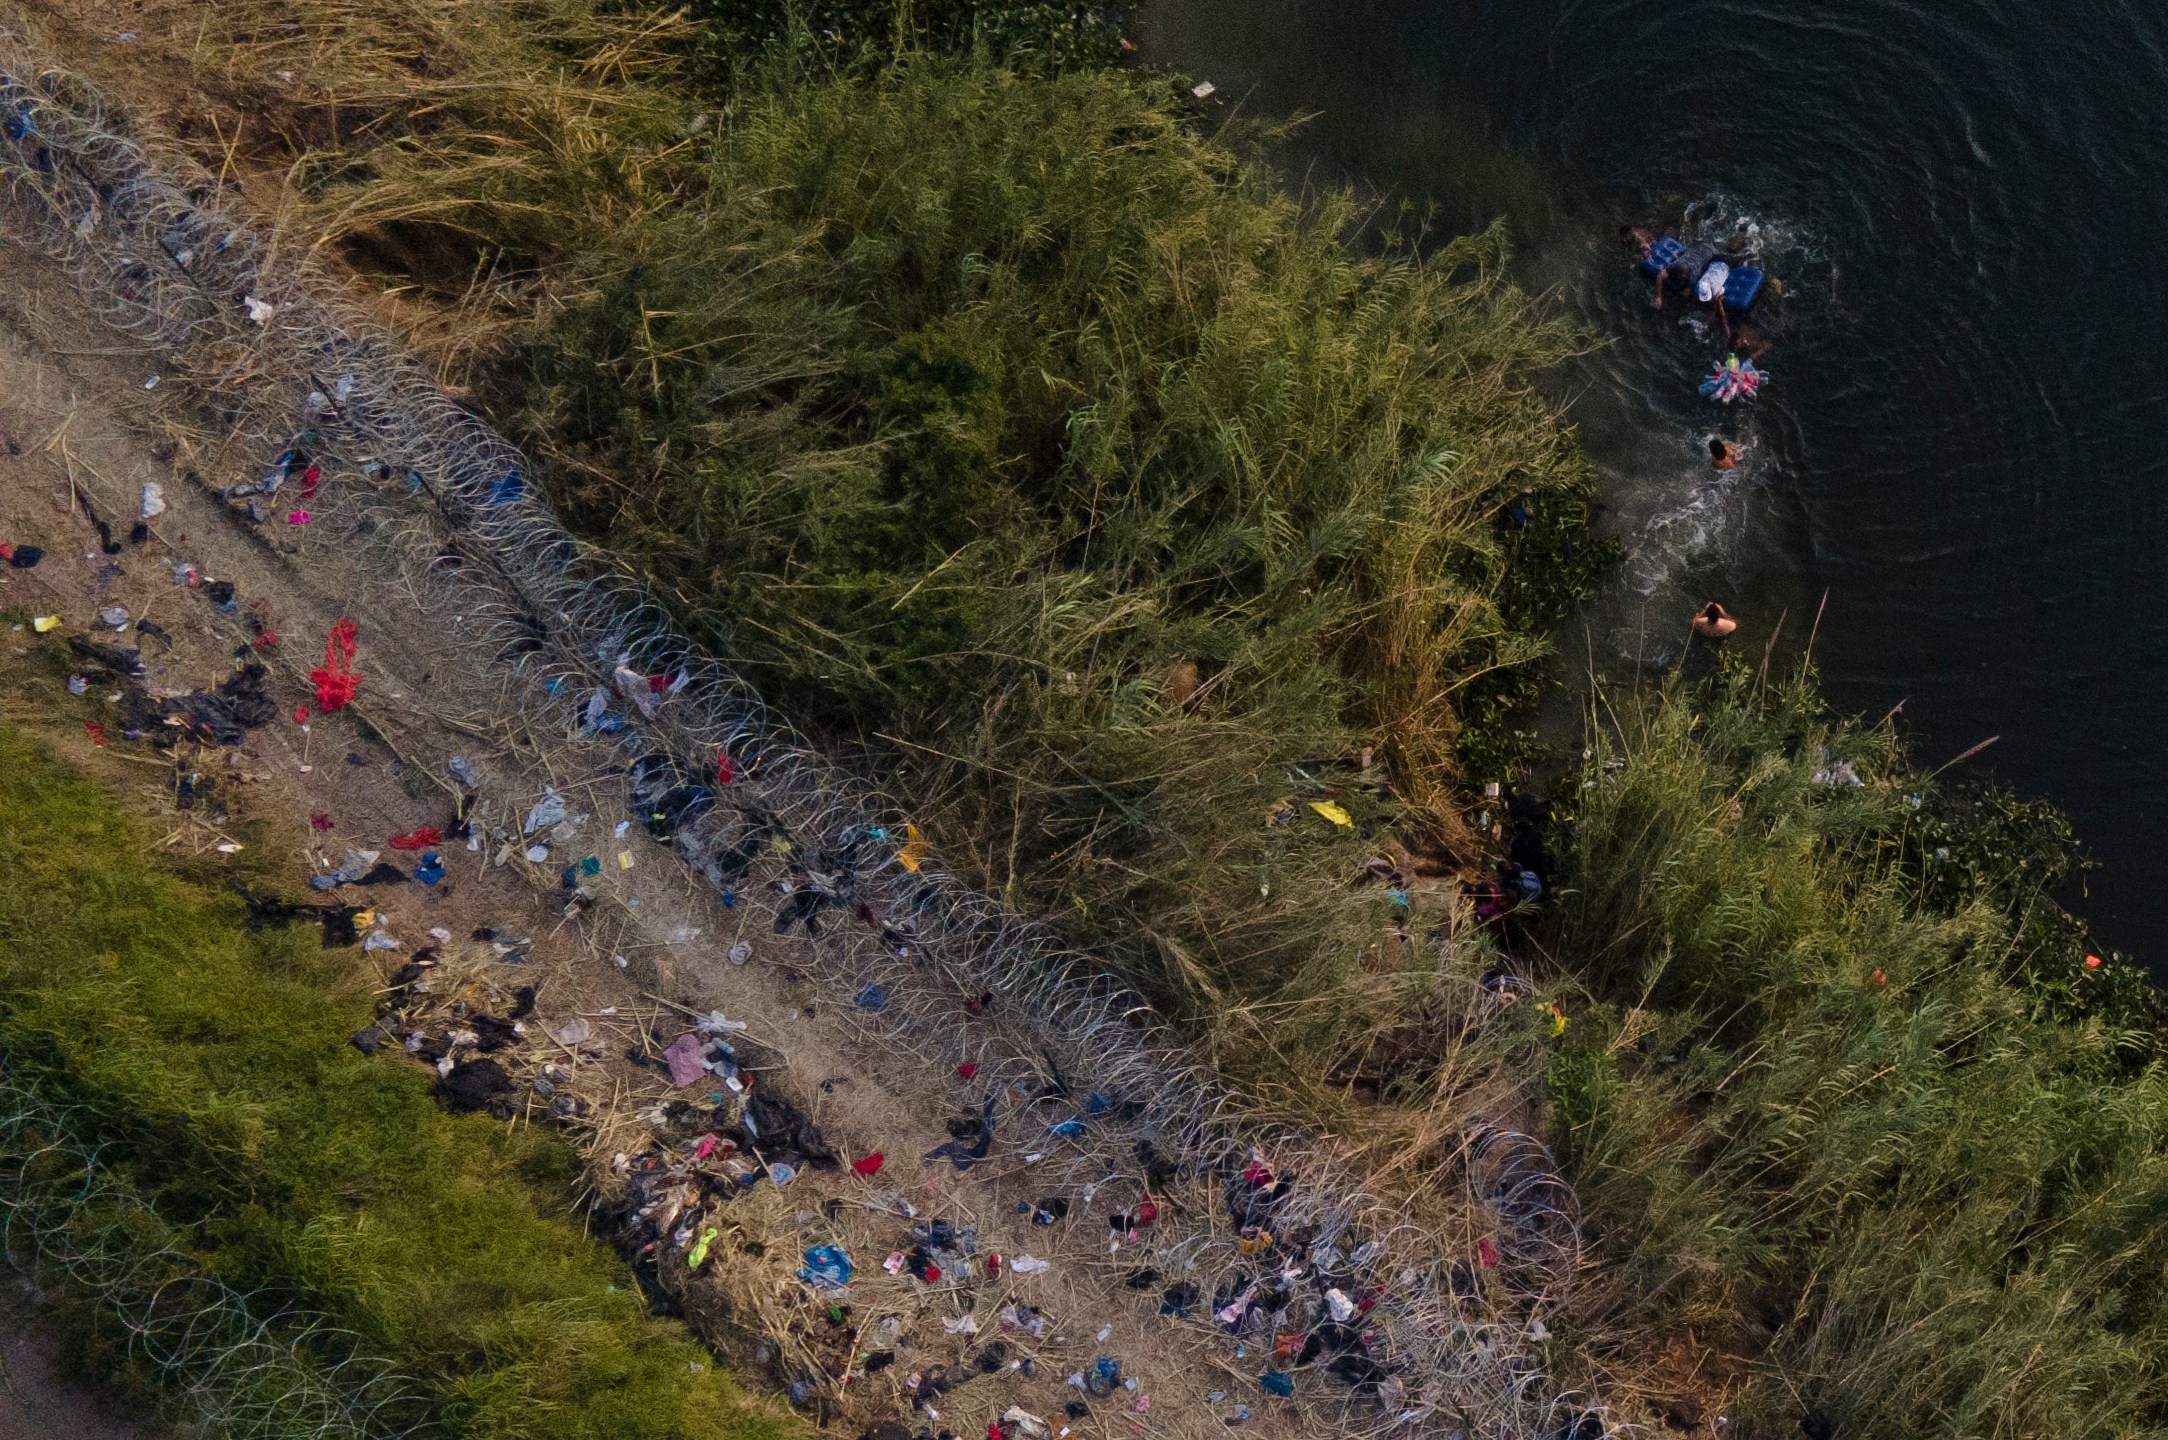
207, 1064
1845, 1101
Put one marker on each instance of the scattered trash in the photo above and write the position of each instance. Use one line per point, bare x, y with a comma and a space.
420, 838
431, 870
868, 1166
224, 715
538, 853
96, 732
1029, 1265
1104, 1376
479, 1084
965, 1325
153, 503
44, 624
336, 681
259, 311
378, 940
1277, 1382
1842, 774
298, 517
685, 1059
549, 810
826, 1268
1204, 89
114, 617
972, 1142
739, 953
21, 557
698, 1255
871, 997
78, 685
1334, 813
462, 771
913, 853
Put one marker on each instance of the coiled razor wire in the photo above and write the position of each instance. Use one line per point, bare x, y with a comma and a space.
241, 1374
587, 650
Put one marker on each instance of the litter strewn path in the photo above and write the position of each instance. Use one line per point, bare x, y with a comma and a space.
762, 1124
612, 979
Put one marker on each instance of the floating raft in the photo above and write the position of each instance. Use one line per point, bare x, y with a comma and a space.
1740, 288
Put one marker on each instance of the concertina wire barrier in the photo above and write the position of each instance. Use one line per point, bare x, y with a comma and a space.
244, 1370
455, 507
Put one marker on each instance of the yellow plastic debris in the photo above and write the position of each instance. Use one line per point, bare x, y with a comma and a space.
45, 622
624, 859
1333, 813
698, 1255
913, 853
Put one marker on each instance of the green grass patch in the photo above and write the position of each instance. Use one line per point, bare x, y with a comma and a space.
211, 1065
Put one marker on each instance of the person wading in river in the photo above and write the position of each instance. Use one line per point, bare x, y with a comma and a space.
1713, 622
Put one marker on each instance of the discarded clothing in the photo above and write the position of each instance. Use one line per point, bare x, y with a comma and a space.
685, 1060
549, 810
826, 1268
963, 1155
476, 1085
781, 1130
223, 716
336, 679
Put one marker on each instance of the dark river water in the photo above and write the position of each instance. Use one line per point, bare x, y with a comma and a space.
1963, 442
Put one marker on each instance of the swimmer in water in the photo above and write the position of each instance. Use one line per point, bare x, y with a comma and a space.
1712, 622
1638, 238
1723, 455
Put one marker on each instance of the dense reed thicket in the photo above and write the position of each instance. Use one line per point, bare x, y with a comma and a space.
207, 1064
1847, 1101
1098, 493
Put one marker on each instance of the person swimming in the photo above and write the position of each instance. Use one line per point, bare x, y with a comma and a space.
1686, 272
1713, 622
1723, 455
